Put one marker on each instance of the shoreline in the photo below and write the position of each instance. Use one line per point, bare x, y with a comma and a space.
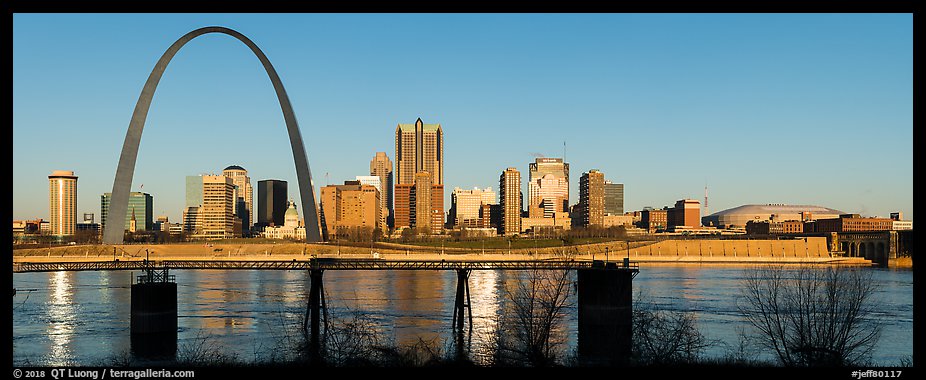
303, 252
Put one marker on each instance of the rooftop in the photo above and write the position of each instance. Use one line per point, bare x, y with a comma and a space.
777, 208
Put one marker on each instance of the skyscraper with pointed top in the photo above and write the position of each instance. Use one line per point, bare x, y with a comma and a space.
419, 198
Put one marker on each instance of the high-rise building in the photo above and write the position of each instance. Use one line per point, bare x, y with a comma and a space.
466, 206
271, 202
402, 213
509, 191
381, 166
613, 198
194, 191
427, 200
548, 188
62, 202
192, 221
139, 203
218, 218
376, 182
685, 214
244, 196
348, 207
419, 149
591, 199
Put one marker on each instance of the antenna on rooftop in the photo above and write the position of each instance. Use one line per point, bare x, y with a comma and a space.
705, 200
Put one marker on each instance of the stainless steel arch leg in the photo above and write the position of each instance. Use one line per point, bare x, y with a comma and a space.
126, 169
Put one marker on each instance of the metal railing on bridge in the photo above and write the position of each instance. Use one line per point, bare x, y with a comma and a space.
324, 264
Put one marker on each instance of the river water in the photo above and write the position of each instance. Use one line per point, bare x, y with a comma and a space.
82, 318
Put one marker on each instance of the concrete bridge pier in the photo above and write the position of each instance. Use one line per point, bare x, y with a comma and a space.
154, 315
316, 314
460, 305
605, 312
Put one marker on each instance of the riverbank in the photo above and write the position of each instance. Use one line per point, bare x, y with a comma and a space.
798, 251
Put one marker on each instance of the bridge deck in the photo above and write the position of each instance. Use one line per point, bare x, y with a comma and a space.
324, 264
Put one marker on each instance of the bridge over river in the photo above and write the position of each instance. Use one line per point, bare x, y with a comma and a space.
604, 290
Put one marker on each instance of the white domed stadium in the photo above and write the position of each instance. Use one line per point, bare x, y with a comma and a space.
738, 216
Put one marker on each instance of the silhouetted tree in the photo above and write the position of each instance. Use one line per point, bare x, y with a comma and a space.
662, 337
530, 331
812, 316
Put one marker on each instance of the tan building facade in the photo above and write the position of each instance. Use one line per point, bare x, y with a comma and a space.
376, 182
349, 206
419, 147
853, 223
509, 190
62, 202
244, 191
591, 199
419, 196
548, 187
653, 220
381, 166
217, 212
617, 220
686, 213
769, 227
559, 221
466, 206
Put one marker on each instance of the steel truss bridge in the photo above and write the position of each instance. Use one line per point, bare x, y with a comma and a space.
322, 264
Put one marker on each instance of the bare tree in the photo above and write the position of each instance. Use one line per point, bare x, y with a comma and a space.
812, 316
661, 337
352, 342
530, 330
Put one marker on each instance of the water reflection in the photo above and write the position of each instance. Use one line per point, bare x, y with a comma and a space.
61, 314
81, 317
484, 297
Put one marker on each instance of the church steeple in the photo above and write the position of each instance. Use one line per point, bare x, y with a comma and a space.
133, 225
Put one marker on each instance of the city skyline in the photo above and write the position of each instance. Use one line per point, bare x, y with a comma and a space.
796, 109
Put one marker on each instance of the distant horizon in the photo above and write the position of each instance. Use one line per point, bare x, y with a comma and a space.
796, 109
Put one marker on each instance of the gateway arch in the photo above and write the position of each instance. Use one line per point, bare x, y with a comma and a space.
126, 170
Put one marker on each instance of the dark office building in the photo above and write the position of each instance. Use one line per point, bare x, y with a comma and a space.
271, 202
613, 198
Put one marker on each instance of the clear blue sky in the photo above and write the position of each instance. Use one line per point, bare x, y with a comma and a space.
762, 108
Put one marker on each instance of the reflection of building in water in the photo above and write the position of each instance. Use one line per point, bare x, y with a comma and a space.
61, 316
484, 298
684, 285
419, 300
363, 291
293, 289
215, 288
